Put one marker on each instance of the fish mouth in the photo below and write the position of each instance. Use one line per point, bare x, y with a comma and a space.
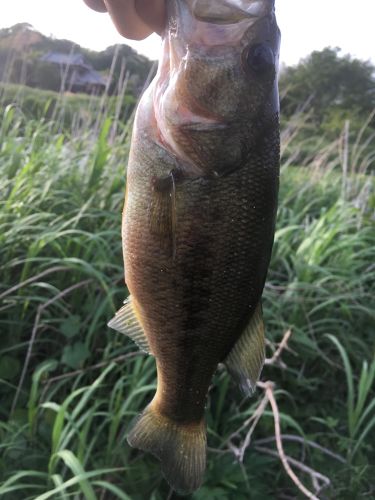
229, 11
202, 34
208, 23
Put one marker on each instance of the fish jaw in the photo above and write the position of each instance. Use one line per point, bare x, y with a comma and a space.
198, 23
229, 11
173, 111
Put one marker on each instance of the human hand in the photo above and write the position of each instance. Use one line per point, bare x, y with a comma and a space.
135, 19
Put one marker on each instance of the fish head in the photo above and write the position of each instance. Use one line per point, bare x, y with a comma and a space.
216, 92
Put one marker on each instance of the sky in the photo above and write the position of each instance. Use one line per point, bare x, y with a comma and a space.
306, 25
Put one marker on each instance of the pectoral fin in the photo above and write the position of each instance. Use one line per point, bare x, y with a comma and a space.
162, 214
126, 321
246, 359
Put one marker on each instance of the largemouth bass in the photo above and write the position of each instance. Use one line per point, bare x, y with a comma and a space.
199, 218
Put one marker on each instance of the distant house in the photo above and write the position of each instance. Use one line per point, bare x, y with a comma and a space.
75, 74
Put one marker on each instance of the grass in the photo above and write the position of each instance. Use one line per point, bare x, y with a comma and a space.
69, 112
69, 386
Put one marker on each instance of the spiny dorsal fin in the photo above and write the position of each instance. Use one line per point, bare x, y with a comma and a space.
246, 359
127, 322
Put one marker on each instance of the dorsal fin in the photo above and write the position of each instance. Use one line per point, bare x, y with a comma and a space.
126, 321
246, 359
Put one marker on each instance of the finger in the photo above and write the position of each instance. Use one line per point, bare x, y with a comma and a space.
97, 5
153, 13
127, 20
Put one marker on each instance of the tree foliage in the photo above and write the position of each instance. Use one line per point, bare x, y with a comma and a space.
333, 84
21, 50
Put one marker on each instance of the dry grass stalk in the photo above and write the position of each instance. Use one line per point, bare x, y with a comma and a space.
319, 481
40, 310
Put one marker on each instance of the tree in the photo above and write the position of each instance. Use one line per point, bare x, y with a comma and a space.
21, 48
335, 85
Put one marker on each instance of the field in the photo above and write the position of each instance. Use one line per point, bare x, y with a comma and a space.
69, 386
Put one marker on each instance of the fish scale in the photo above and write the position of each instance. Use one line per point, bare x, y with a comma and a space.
199, 221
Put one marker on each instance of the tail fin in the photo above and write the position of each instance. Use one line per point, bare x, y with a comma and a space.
180, 448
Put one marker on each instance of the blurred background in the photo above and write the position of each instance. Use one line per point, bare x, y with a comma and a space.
69, 386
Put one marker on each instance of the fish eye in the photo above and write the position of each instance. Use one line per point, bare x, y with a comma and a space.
260, 59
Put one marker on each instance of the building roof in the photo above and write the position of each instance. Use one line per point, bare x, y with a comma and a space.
65, 59
89, 77
84, 75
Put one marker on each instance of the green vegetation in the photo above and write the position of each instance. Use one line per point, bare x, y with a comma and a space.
68, 111
69, 386
332, 93
334, 84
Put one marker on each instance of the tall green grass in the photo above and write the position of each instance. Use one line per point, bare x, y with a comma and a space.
69, 387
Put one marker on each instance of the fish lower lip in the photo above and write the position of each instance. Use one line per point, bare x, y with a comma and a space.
229, 11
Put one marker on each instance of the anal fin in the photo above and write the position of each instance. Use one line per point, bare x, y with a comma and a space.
246, 359
126, 321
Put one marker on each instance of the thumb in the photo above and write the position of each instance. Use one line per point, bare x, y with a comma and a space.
97, 5
127, 20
